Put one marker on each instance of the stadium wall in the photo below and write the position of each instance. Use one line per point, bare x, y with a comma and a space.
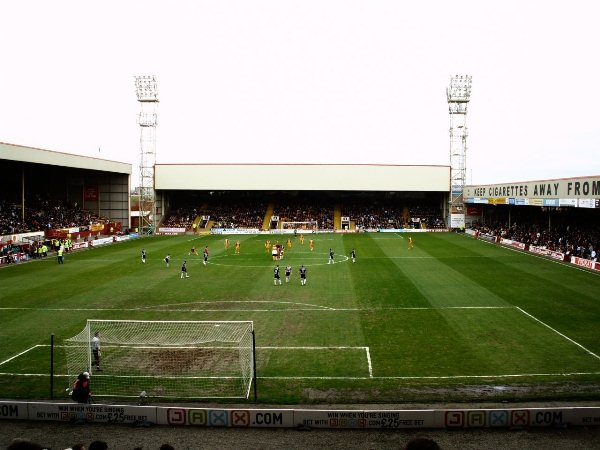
241, 417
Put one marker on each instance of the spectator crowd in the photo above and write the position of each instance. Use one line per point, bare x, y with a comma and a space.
578, 239
44, 214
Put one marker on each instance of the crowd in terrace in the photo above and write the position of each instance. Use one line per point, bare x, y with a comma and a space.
181, 217
306, 212
238, 216
421, 216
390, 216
572, 240
227, 213
222, 216
44, 214
374, 216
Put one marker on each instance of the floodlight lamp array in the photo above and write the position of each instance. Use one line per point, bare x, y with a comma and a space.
459, 89
146, 88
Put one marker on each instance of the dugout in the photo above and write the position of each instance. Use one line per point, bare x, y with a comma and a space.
180, 184
95, 184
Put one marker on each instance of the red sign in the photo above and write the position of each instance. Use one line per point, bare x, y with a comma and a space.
90, 193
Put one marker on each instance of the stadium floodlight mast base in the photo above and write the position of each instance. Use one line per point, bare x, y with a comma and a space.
458, 95
166, 359
147, 95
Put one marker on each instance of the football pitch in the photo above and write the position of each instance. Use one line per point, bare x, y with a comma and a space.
451, 319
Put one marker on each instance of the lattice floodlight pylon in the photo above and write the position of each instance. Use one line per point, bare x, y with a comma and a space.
168, 359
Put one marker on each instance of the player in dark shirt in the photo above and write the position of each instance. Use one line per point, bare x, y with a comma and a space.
184, 270
276, 277
302, 275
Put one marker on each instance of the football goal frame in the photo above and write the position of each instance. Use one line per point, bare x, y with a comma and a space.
166, 359
311, 226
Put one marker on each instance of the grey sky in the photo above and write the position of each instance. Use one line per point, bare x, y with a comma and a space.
309, 81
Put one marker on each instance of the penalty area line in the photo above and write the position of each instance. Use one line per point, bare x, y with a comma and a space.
559, 333
20, 354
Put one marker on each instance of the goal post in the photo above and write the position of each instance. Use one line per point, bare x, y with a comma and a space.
166, 359
307, 227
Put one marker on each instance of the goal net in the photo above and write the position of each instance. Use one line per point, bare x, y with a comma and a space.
310, 226
170, 359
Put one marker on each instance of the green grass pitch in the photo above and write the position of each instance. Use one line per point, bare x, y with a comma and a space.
452, 319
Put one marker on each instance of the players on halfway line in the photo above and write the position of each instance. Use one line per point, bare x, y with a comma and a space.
277, 253
288, 274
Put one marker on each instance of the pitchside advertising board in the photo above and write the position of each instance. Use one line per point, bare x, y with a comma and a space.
289, 418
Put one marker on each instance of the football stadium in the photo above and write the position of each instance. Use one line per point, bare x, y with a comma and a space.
342, 296
395, 306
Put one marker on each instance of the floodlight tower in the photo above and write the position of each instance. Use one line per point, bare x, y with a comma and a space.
459, 94
147, 95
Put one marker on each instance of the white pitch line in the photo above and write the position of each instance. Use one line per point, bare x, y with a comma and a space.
369, 361
316, 348
16, 356
560, 334
165, 305
314, 308
441, 377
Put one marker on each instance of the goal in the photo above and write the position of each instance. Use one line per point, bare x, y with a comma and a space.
307, 227
168, 359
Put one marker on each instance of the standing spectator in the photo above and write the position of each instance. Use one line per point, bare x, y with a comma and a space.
81, 389
61, 257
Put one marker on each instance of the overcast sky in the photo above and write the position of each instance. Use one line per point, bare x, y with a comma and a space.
309, 81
